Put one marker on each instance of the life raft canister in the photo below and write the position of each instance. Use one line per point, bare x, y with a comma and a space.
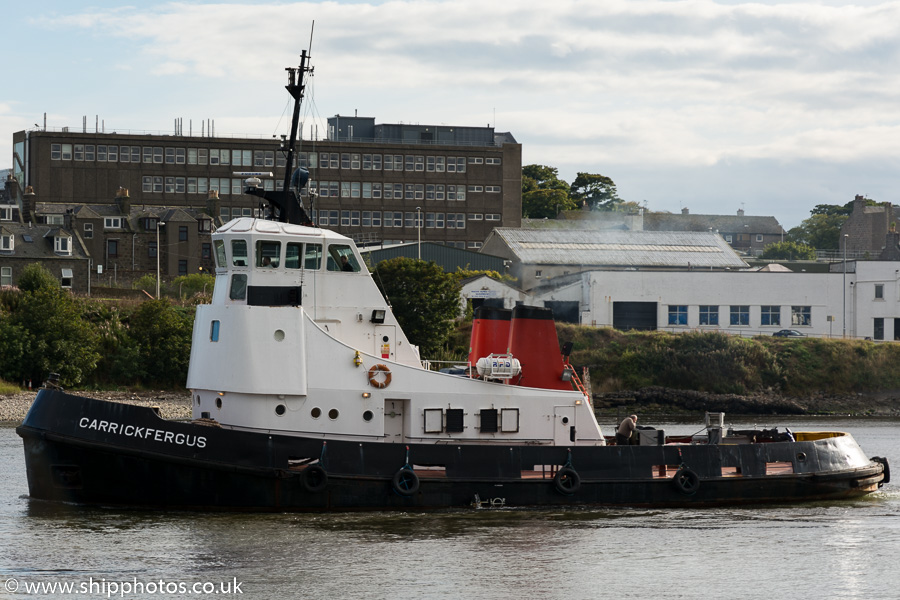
378, 381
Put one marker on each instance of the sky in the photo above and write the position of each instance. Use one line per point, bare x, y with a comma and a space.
713, 106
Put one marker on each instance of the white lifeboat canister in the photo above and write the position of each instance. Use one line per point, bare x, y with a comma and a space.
498, 366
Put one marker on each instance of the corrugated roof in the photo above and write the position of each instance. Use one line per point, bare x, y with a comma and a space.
723, 223
620, 248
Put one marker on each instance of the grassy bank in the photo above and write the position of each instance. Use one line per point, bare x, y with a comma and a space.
723, 364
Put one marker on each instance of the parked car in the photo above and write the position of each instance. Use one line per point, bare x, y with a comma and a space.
788, 333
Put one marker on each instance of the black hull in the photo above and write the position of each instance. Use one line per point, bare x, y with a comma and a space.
94, 452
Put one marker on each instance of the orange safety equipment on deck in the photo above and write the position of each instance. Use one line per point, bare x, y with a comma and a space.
373, 376
490, 332
533, 340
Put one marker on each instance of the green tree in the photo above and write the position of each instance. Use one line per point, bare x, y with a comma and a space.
461, 274
186, 286
35, 277
788, 251
542, 177
57, 337
820, 231
12, 348
545, 203
120, 358
146, 283
835, 209
163, 334
599, 191
424, 299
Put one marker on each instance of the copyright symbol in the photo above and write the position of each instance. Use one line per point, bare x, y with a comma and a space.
11, 585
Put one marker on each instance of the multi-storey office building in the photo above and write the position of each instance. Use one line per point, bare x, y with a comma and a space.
380, 183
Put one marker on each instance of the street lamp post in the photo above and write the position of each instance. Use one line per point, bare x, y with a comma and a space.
158, 225
844, 315
419, 230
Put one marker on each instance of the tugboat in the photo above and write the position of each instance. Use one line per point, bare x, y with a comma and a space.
308, 396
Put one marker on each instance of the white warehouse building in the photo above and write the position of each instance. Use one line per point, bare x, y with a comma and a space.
740, 302
685, 281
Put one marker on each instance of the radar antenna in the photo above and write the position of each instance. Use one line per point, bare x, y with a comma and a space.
286, 205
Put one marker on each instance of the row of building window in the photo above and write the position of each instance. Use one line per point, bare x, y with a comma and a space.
373, 218
398, 191
739, 315
151, 184
266, 158
728, 237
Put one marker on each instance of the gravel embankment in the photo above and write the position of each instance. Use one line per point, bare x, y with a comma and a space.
172, 405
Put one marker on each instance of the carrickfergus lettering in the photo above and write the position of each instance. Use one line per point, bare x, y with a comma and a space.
158, 435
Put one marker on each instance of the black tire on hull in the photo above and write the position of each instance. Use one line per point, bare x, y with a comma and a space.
567, 481
405, 482
314, 479
686, 481
887, 469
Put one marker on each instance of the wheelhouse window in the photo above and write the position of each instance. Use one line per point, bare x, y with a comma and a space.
238, 287
292, 253
341, 258
268, 254
239, 257
220, 254
312, 258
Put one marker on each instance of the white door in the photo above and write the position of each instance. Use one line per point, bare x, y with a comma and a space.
393, 420
563, 425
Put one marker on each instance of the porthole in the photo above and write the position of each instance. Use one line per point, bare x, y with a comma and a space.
367, 416
279, 410
316, 412
565, 420
333, 414
801, 456
218, 403
279, 335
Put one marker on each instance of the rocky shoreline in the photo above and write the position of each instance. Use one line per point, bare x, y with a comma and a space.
172, 404
654, 400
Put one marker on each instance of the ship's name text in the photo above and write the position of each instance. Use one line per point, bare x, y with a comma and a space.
158, 435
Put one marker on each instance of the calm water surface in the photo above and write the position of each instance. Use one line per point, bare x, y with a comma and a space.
824, 550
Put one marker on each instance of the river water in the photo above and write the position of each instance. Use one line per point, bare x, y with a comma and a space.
845, 550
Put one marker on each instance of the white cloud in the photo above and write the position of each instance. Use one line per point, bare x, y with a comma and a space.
586, 86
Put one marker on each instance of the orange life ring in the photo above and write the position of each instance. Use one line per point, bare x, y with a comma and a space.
373, 376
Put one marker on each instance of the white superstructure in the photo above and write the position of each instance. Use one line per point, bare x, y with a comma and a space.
299, 340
